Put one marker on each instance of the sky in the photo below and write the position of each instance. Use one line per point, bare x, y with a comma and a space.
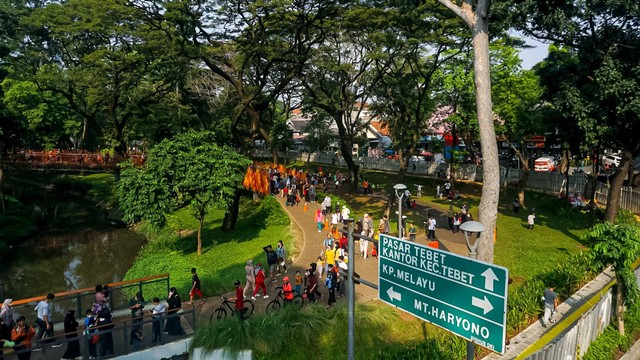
532, 56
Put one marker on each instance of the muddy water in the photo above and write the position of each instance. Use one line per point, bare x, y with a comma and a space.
79, 248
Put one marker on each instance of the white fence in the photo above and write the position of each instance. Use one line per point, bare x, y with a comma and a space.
545, 181
574, 343
629, 197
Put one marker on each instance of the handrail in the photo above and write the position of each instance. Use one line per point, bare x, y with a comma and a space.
79, 291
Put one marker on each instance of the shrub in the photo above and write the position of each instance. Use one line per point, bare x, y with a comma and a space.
524, 304
296, 333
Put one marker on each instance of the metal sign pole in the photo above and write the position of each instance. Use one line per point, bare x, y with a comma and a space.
351, 291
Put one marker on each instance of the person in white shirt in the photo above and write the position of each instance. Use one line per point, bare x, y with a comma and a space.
157, 313
531, 220
432, 227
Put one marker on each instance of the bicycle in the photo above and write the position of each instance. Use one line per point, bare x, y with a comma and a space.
221, 312
276, 304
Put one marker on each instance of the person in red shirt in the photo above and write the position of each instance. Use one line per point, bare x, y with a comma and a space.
259, 283
239, 299
343, 241
287, 290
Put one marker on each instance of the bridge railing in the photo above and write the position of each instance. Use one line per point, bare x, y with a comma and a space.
82, 299
119, 334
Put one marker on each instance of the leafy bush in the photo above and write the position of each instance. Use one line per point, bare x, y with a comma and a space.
270, 213
296, 333
524, 304
606, 345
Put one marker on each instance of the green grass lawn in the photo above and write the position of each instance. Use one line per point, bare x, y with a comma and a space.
524, 252
224, 254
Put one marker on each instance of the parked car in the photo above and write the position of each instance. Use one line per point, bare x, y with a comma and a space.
611, 160
545, 164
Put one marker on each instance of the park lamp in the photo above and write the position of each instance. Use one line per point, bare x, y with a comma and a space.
469, 227
400, 189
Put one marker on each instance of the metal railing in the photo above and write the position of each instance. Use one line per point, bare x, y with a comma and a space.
112, 340
81, 299
573, 343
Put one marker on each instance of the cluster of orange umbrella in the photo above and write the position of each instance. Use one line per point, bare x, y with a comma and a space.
257, 177
257, 180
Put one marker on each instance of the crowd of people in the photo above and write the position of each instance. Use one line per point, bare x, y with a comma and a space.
24, 338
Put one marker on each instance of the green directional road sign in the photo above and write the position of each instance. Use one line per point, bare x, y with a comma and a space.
463, 295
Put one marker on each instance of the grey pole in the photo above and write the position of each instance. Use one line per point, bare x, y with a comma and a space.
468, 228
400, 215
351, 291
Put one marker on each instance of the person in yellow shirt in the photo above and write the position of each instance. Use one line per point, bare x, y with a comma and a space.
298, 283
329, 257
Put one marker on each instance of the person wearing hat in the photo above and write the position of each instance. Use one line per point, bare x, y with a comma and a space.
287, 290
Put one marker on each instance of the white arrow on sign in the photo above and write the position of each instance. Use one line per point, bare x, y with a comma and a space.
489, 278
482, 304
394, 295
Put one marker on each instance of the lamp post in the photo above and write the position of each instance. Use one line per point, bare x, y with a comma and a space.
400, 189
467, 228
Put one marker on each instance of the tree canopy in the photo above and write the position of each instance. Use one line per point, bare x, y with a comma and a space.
190, 170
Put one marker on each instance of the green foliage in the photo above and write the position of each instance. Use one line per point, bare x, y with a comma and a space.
46, 117
524, 303
268, 213
190, 170
295, 333
172, 248
615, 244
606, 346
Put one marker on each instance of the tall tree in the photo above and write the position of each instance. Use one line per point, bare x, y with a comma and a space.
516, 95
257, 48
105, 61
603, 91
190, 170
477, 20
427, 36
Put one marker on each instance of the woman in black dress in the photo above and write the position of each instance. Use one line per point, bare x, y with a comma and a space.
173, 326
71, 332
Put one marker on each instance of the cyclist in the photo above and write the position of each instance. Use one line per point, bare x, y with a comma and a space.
287, 290
239, 299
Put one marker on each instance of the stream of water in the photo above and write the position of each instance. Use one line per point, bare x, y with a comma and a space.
79, 249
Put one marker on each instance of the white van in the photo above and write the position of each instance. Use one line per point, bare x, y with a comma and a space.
545, 164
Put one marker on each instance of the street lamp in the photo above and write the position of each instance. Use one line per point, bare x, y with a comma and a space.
400, 189
468, 227
472, 227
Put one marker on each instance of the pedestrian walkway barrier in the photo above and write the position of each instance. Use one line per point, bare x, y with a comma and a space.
82, 299
574, 343
116, 339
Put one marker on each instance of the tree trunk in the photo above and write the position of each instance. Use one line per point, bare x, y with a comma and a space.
274, 155
488, 209
563, 168
522, 183
619, 304
231, 215
613, 197
200, 226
